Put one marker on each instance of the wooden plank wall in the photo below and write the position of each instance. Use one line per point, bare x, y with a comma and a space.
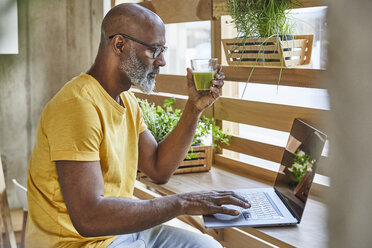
267, 115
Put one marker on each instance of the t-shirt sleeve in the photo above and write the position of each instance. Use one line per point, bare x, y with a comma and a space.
74, 131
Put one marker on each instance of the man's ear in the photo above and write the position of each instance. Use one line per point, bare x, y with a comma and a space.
119, 44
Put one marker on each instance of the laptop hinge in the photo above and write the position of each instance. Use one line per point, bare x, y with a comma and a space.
284, 200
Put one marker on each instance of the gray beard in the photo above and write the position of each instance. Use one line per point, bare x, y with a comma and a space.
138, 73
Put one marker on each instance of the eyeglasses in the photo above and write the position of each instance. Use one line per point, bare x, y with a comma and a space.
156, 49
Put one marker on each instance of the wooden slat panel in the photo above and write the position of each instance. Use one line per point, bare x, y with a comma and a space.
159, 99
255, 55
173, 11
308, 52
256, 48
200, 155
267, 152
292, 62
5, 218
236, 51
250, 40
173, 84
292, 53
247, 170
264, 42
219, 7
294, 43
273, 116
257, 234
258, 64
290, 77
192, 162
255, 148
235, 237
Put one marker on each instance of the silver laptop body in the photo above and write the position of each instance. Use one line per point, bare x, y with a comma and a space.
284, 203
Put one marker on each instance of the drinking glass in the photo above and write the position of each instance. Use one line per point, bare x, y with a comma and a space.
204, 71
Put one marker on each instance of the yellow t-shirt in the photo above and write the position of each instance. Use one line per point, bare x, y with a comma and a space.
82, 123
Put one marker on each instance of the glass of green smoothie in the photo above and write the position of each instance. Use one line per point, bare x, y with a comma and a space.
203, 71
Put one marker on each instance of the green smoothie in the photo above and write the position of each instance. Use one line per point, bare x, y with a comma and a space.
203, 80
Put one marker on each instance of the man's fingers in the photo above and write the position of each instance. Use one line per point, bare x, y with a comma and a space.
220, 75
190, 79
230, 197
215, 92
217, 83
225, 210
235, 201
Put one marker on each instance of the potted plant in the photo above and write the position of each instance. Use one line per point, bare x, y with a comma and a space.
265, 35
162, 120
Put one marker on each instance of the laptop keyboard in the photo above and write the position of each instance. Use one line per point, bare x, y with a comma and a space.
261, 206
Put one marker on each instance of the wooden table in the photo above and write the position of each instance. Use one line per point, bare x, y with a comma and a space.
311, 232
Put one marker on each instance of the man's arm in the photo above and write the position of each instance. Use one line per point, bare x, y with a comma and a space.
92, 214
159, 161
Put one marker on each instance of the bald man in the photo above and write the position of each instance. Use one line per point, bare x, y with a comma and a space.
91, 140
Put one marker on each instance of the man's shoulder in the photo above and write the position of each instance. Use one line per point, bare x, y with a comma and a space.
81, 86
78, 90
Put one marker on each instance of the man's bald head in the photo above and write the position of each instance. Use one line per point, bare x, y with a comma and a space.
123, 61
130, 19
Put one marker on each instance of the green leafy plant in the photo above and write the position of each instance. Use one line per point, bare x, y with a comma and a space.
162, 120
302, 164
261, 18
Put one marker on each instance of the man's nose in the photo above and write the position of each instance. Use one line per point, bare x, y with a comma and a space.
160, 60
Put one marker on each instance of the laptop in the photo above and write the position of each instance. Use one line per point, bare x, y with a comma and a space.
284, 203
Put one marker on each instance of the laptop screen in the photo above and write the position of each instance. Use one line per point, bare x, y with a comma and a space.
298, 166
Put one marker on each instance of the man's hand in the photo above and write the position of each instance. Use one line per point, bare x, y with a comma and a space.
209, 202
201, 99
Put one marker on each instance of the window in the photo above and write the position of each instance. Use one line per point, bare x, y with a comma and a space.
186, 41
8, 27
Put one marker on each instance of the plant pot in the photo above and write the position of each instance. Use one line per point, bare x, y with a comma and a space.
255, 51
202, 162
262, 52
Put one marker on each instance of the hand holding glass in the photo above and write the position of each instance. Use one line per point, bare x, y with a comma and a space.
204, 71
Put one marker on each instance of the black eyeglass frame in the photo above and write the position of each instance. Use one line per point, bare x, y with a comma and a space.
156, 49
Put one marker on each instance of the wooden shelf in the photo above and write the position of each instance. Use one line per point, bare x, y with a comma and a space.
298, 77
273, 116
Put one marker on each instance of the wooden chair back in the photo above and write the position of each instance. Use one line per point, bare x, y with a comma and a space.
5, 220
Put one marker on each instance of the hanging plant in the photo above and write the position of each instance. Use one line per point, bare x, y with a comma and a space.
265, 35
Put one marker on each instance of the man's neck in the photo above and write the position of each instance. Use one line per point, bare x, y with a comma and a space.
109, 79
